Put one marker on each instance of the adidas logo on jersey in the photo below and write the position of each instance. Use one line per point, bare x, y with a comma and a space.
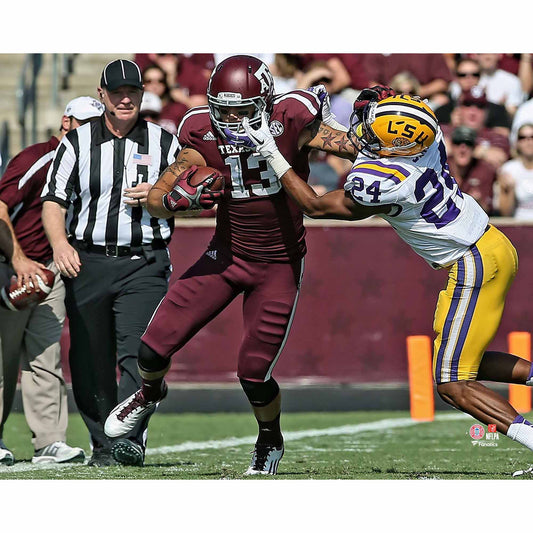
212, 254
209, 136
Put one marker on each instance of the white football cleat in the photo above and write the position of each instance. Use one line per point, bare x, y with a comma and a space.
131, 412
265, 460
58, 452
6, 456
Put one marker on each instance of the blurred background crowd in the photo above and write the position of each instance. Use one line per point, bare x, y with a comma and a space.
484, 103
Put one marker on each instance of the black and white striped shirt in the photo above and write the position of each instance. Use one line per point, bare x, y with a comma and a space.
91, 169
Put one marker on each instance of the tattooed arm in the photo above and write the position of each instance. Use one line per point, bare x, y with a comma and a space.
185, 159
324, 138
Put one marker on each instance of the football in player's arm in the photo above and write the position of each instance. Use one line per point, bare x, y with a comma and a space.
402, 175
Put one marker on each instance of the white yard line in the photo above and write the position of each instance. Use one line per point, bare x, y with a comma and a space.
379, 425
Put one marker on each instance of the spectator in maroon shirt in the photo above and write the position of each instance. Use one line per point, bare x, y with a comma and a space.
472, 111
30, 338
474, 176
187, 76
431, 70
171, 113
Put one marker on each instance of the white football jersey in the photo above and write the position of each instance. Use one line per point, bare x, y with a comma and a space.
431, 214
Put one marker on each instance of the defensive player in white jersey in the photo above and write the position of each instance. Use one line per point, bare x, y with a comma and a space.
401, 174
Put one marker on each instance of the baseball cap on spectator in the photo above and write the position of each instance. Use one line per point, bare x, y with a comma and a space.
119, 73
151, 104
475, 96
464, 134
83, 108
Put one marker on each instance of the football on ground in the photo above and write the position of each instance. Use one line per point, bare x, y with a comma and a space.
16, 298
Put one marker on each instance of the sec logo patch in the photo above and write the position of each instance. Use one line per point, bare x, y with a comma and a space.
276, 128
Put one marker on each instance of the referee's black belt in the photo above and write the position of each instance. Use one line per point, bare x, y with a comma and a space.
112, 250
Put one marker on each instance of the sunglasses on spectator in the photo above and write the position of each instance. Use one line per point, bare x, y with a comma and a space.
468, 143
522, 137
465, 74
154, 80
479, 105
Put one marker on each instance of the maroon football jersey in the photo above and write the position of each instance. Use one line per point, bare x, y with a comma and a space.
20, 188
256, 220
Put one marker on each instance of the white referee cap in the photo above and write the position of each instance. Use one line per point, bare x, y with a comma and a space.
84, 107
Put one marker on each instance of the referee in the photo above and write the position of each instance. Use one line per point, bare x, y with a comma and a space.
112, 253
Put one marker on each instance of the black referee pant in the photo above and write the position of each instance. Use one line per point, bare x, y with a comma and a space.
109, 305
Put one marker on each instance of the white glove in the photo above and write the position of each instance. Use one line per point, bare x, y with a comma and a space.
266, 145
328, 118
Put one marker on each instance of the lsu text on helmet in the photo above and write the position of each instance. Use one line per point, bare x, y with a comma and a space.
400, 125
238, 82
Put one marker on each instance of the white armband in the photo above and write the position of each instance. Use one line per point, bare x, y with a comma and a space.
278, 163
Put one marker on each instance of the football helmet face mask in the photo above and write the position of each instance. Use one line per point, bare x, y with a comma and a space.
237, 82
400, 125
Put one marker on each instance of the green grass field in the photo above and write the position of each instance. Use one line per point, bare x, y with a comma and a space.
376, 445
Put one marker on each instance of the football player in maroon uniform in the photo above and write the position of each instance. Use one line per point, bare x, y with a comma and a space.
258, 247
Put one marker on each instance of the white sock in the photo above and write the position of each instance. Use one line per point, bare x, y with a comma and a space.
521, 431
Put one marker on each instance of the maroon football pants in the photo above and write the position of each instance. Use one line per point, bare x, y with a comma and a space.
270, 293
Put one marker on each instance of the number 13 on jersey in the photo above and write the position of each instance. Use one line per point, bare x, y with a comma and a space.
242, 167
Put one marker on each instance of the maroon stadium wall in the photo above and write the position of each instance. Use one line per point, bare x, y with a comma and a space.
364, 291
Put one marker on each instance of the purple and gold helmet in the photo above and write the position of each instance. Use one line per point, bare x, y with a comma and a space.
400, 125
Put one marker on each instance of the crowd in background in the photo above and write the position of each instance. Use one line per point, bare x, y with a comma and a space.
484, 103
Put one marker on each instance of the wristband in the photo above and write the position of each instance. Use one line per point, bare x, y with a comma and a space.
278, 163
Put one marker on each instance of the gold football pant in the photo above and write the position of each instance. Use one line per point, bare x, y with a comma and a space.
470, 308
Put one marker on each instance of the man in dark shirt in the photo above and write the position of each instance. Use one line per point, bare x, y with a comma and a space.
471, 111
30, 337
474, 176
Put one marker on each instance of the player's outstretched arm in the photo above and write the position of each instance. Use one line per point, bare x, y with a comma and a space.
334, 205
185, 159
